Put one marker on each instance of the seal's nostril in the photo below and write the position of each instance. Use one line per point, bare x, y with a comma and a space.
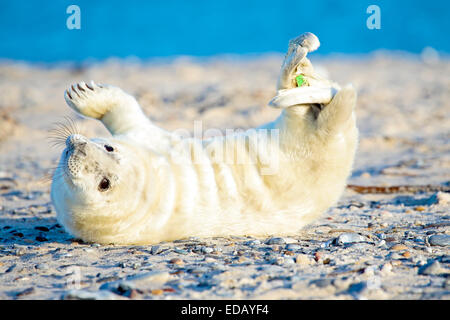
77, 143
74, 139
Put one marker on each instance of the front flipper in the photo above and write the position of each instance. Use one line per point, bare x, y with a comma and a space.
119, 111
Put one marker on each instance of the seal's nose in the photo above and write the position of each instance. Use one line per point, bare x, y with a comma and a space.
76, 142
75, 139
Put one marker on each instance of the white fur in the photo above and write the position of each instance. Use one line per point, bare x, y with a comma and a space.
164, 187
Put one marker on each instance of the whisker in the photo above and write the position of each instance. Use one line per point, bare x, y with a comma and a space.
72, 125
45, 179
63, 129
57, 137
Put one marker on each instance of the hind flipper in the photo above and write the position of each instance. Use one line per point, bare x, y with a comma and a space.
338, 112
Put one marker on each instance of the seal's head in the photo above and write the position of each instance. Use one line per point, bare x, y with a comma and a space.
92, 184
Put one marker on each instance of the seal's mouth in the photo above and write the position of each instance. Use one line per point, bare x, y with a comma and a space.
69, 180
70, 163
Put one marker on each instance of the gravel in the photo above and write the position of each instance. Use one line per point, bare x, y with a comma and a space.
346, 254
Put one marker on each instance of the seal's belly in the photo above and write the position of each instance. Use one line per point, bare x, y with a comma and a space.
235, 185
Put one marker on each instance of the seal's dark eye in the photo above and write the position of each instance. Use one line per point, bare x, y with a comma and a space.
109, 148
104, 184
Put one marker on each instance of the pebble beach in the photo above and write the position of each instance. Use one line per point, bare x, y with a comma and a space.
388, 237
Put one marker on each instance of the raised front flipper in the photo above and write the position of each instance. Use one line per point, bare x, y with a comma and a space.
118, 111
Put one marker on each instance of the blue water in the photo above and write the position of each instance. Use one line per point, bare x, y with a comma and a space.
36, 30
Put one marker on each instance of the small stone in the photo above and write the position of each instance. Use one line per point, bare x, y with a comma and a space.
366, 175
133, 294
176, 261
386, 269
394, 256
357, 289
178, 272
420, 208
293, 247
407, 254
253, 242
322, 283
89, 295
199, 270
136, 265
348, 237
342, 284
277, 248
433, 268
181, 251
369, 271
290, 240
157, 292
442, 198
146, 281
419, 260
439, 240
418, 223
42, 266
327, 243
207, 250
11, 268
317, 256
242, 259
381, 243
22, 279
155, 250
125, 286
20, 252
41, 238
209, 260
381, 236
289, 261
396, 262
276, 241
42, 228
386, 214
399, 247
25, 292
279, 261
447, 284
